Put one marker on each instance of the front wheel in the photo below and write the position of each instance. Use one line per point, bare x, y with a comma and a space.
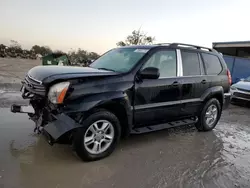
209, 115
98, 137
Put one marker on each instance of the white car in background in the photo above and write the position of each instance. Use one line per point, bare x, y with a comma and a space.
241, 90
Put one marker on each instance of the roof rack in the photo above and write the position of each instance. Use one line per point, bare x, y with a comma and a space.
164, 43
188, 45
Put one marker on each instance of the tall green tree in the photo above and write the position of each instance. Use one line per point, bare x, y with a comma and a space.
137, 37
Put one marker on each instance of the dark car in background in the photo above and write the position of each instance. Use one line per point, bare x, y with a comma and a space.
128, 90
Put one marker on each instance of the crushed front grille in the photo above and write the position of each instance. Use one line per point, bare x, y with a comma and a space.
34, 85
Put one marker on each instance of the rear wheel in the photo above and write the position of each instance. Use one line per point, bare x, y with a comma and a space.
209, 116
98, 137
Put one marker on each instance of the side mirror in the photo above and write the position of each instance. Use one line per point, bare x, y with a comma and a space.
150, 73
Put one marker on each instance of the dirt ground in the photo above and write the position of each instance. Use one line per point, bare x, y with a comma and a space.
13, 70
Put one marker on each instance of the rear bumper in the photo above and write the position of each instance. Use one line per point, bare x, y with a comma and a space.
227, 100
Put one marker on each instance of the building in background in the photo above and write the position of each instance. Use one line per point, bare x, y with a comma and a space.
237, 57
238, 49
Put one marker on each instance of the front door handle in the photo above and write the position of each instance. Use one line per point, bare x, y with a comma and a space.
175, 84
203, 81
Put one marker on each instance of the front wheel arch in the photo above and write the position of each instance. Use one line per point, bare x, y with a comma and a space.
121, 111
80, 132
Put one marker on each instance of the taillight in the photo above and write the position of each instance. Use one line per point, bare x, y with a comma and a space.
229, 77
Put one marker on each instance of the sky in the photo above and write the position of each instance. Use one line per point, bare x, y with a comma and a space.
97, 25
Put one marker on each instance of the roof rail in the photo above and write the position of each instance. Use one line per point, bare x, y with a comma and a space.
193, 46
164, 43
188, 45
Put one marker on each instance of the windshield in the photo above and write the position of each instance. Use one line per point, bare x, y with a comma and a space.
247, 79
119, 60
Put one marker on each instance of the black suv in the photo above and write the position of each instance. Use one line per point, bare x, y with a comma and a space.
128, 90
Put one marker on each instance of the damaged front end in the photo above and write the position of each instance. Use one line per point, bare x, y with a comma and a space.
49, 118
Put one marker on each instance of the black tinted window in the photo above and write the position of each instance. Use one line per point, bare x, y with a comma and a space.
191, 63
212, 64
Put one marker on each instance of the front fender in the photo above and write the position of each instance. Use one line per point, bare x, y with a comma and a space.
64, 123
89, 102
109, 99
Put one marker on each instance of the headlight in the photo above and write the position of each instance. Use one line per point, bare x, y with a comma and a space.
57, 92
233, 88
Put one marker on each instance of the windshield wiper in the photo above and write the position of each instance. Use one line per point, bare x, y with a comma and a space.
106, 69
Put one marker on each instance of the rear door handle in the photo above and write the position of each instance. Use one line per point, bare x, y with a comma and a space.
175, 84
203, 81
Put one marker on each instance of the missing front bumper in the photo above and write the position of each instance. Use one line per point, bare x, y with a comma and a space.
54, 127
62, 125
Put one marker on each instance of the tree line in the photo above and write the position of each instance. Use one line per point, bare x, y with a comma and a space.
15, 50
137, 37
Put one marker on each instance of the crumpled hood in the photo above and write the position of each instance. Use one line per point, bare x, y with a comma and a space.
50, 73
242, 85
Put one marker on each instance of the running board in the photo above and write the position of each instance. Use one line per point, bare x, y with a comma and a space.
162, 126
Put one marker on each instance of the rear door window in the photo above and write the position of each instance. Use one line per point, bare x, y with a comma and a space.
212, 64
190, 63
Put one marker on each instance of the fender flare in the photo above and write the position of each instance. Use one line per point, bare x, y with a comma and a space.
209, 93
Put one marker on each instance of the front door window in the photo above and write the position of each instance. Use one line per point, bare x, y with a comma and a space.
165, 61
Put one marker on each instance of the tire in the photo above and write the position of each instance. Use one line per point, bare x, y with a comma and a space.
202, 124
80, 136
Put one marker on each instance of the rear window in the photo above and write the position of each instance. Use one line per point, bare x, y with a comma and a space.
212, 64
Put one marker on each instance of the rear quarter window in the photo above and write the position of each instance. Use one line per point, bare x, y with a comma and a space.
212, 64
